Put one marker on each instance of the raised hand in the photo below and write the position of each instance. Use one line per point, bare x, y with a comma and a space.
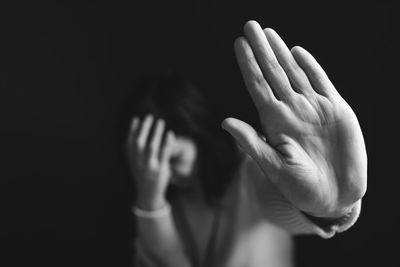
149, 159
314, 150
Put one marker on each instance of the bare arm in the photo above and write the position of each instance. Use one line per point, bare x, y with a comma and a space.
158, 240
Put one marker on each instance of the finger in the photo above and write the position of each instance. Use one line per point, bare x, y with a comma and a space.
132, 130
259, 89
156, 139
298, 79
144, 131
317, 76
166, 150
254, 145
272, 70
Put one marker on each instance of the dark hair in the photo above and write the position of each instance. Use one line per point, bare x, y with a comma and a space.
187, 112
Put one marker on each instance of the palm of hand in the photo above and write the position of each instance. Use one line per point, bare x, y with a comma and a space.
319, 144
314, 150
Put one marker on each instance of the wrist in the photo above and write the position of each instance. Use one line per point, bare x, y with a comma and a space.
152, 214
331, 213
338, 218
152, 203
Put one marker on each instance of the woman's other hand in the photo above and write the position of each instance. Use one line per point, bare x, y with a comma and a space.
149, 153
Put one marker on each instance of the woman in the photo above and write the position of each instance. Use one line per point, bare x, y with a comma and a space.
199, 203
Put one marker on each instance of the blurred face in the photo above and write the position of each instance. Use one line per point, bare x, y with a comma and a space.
183, 159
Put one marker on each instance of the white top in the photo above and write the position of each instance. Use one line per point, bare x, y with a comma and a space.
252, 228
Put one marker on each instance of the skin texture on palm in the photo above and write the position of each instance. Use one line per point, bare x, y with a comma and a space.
314, 150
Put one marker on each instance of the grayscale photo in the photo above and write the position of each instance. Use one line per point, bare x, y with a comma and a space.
198, 134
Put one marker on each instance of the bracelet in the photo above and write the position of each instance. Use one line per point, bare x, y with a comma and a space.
152, 214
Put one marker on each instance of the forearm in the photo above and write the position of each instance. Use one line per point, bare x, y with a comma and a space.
159, 240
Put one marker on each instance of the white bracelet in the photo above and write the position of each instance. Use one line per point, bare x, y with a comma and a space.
152, 214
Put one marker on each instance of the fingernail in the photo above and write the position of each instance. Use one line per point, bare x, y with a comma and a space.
134, 122
148, 116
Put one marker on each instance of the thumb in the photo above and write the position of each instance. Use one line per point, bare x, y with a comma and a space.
249, 140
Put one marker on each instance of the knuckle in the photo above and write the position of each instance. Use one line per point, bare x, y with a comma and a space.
153, 164
252, 140
153, 147
293, 69
137, 144
251, 143
273, 65
257, 81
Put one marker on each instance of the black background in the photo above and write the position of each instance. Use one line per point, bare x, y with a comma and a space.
65, 68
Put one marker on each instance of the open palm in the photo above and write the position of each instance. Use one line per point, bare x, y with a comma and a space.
313, 148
